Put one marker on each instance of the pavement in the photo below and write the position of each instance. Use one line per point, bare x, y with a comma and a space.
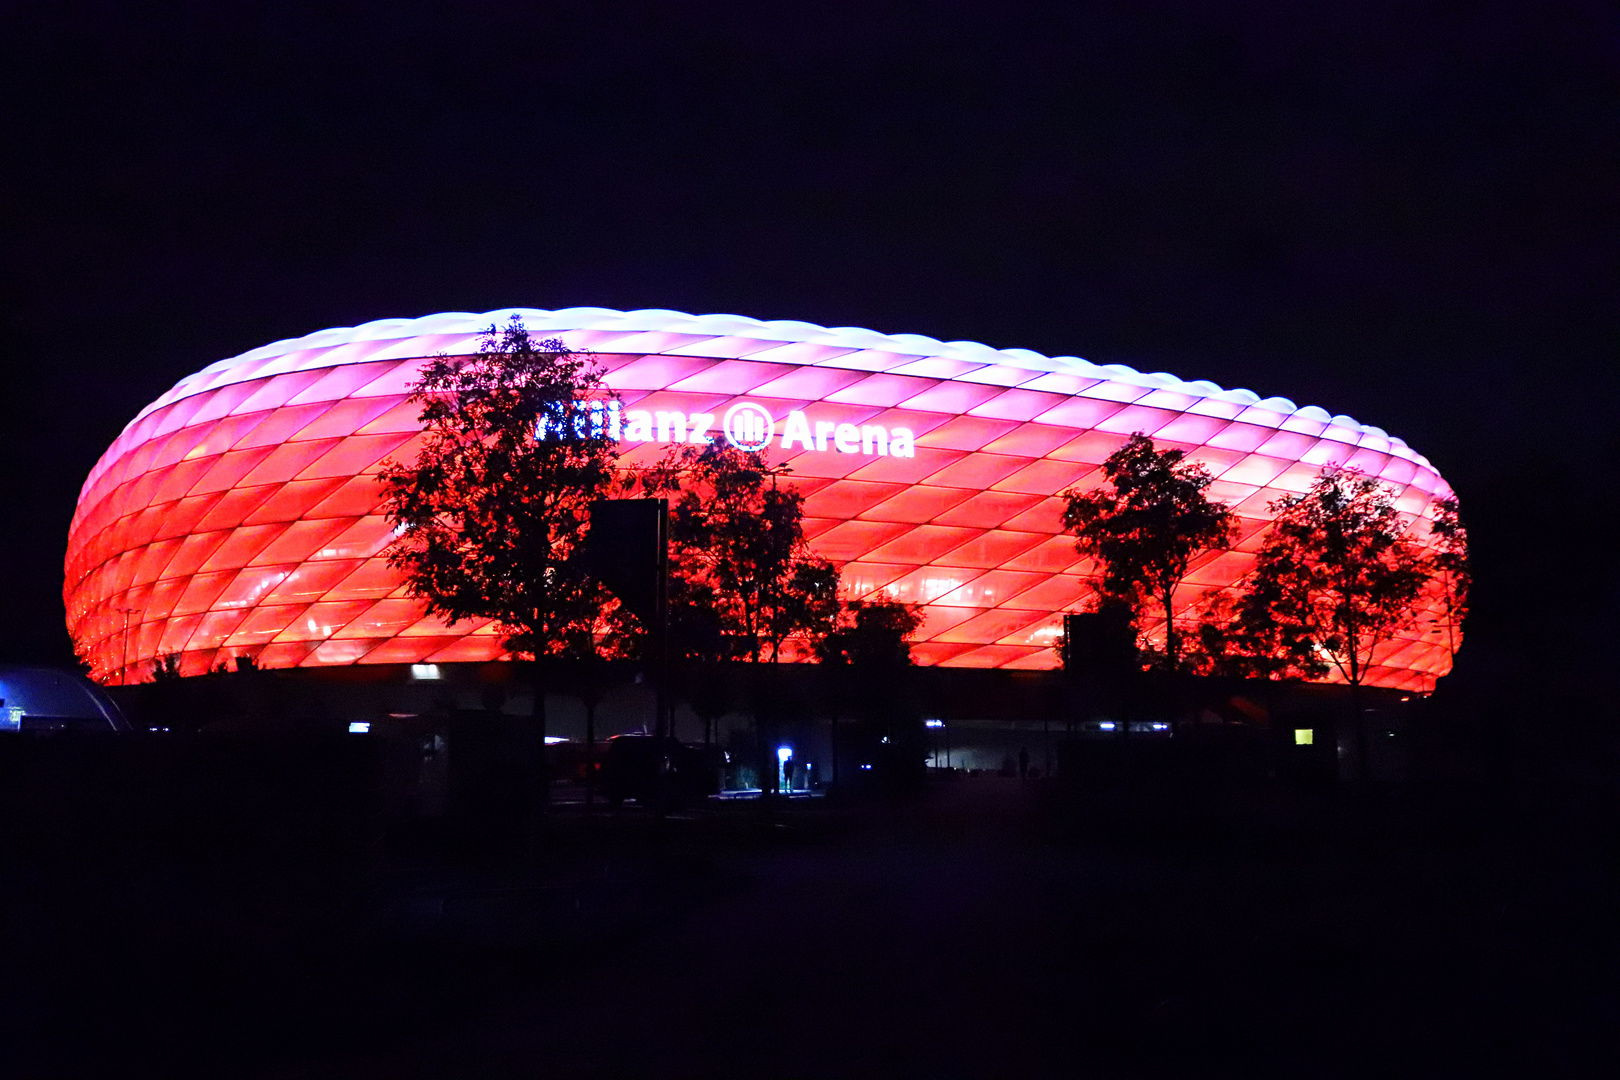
985, 928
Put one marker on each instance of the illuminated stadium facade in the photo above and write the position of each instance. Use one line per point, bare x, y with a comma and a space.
239, 515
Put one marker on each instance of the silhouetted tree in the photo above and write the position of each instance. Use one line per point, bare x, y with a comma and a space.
871, 634
742, 579
498, 497
1146, 525
1337, 576
741, 575
1238, 637
863, 657
1452, 576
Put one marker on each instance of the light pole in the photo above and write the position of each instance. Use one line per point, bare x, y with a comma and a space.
123, 667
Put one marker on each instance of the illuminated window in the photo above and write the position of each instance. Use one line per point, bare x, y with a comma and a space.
1304, 736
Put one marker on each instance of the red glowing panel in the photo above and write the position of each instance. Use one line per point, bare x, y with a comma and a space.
1060, 592
919, 504
927, 584
1030, 440
993, 656
922, 544
990, 589
991, 548
991, 625
850, 499
987, 509
857, 539
240, 513
860, 580
966, 433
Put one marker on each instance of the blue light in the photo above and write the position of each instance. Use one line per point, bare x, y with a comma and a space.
783, 753
359, 727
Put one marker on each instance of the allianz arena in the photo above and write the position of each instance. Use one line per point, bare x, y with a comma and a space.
239, 515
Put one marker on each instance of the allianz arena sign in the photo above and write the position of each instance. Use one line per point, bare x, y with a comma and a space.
239, 514
746, 425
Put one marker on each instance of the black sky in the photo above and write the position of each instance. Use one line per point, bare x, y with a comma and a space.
1400, 211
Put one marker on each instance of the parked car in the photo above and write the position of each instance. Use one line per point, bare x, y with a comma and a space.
647, 769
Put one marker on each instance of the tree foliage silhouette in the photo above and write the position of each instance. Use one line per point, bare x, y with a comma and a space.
871, 634
1452, 577
1337, 575
1145, 526
742, 579
498, 496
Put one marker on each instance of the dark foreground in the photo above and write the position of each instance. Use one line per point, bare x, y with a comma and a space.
989, 927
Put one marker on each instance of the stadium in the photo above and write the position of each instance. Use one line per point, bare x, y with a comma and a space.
239, 515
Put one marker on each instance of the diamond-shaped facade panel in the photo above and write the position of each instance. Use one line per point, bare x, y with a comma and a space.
238, 514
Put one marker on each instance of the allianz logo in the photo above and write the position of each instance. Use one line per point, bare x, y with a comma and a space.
746, 425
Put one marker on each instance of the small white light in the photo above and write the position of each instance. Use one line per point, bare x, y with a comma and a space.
933, 723
359, 727
553, 740
422, 672
1106, 725
783, 753
866, 766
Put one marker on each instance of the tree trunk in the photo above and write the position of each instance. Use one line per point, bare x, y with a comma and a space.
1363, 750
1172, 640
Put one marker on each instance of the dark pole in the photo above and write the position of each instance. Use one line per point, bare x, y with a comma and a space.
661, 724
590, 753
123, 671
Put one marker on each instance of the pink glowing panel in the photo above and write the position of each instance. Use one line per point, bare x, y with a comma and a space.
1019, 405
239, 514
881, 390
950, 397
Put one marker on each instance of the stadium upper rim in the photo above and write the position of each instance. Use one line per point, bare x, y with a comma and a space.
721, 337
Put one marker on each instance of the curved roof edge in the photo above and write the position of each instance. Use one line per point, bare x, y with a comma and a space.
660, 320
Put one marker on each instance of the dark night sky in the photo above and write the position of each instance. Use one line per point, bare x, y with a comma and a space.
1401, 211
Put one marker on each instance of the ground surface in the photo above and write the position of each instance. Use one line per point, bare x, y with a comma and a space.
988, 928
